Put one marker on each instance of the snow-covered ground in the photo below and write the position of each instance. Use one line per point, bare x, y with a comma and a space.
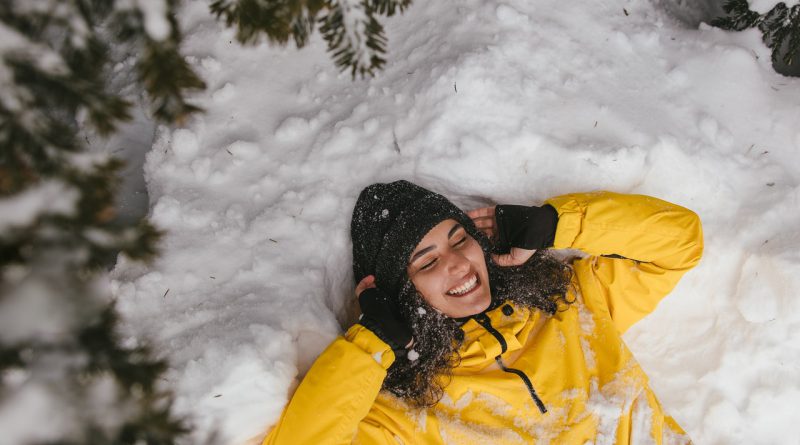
485, 101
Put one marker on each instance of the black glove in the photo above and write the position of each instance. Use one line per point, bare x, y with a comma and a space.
525, 227
384, 321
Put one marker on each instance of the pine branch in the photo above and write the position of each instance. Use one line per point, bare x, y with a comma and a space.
133, 368
389, 7
793, 44
355, 38
780, 26
278, 20
162, 70
167, 77
153, 427
58, 232
739, 18
781, 29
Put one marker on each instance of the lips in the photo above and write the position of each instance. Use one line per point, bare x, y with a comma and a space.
466, 287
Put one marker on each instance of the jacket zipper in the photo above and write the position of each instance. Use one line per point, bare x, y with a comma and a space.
484, 321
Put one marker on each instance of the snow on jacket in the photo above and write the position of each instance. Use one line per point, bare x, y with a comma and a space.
590, 389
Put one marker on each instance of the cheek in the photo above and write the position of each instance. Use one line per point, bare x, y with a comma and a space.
476, 257
429, 285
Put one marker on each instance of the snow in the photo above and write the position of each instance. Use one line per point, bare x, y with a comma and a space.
31, 302
155, 18
154, 15
129, 143
22, 413
15, 45
642, 422
51, 197
61, 14
500, 101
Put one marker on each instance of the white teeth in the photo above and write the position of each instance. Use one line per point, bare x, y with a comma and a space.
464, 288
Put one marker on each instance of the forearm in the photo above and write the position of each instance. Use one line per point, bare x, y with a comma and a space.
637, 227
337, 393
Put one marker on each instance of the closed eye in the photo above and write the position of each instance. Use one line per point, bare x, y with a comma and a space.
428, 265
431, 263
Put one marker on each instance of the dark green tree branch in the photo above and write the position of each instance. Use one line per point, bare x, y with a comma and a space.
780, 26
352, 29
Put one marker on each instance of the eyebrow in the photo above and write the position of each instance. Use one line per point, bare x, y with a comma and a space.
452, 231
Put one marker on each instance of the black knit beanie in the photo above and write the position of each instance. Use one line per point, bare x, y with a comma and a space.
388, 222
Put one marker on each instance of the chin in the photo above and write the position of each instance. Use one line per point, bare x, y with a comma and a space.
484, 303
476, 305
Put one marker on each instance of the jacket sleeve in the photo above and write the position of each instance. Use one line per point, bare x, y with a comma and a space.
336, 393
640, 247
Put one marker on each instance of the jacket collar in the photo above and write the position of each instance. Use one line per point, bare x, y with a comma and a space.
480, 347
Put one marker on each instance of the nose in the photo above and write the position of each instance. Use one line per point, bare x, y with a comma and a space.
457, 264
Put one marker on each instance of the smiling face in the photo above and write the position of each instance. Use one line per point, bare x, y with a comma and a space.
448, 268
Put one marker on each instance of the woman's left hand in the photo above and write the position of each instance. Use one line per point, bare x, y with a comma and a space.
485, 220
515, 257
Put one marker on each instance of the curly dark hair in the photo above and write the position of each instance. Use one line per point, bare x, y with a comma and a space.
540, 283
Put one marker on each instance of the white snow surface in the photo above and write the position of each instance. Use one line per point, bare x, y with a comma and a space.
502, 101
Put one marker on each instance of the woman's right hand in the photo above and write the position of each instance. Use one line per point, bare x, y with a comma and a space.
378, 316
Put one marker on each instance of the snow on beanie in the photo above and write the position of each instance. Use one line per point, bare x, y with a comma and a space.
388, 222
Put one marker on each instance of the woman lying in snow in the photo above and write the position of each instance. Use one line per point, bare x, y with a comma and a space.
459, 344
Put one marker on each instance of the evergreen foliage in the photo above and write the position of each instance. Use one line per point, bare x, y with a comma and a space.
355, 37
61, 357
780, 26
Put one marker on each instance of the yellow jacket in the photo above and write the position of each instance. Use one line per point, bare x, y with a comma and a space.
592, 388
